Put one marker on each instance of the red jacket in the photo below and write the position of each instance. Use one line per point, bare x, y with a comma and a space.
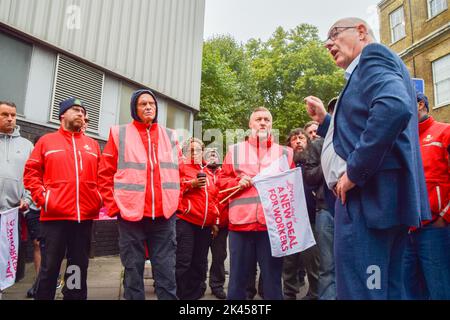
108, 167
198, 205
223, 208
434, 140
61, 175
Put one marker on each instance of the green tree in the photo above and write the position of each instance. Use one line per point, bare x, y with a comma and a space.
278, 74
228, 85
290, 66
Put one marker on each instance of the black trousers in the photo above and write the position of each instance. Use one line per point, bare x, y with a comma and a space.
192, 259
159, 234
219, 255
59, 239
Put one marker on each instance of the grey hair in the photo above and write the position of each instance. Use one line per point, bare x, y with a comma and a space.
354, 21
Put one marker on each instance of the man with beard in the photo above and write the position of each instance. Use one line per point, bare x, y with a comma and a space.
219, 243
294, 265
61, 175
249, 238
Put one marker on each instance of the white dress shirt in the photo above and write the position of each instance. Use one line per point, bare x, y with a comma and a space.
333, 166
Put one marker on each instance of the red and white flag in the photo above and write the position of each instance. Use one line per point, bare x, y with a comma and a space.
283, 198
9, 247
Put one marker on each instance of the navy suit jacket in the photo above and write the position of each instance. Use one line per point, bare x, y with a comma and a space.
376, 132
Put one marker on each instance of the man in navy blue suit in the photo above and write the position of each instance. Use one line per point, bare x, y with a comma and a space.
371, 159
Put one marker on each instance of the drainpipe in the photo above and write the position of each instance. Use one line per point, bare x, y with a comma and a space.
412, 37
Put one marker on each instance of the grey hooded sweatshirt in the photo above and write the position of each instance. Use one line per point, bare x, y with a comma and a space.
14, 152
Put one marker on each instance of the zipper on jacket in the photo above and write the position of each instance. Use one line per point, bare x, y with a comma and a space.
77, 178
47, 195
151, 172
189, 207
259, 170
206, 200
81, 161
438, 192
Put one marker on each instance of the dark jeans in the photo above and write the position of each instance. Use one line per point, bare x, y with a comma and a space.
426, 264
292, 274
59, 239
252, 284
308, 260
192, 259
219, 255
32, 218
325, 243
247, 248
160, 237
311, 260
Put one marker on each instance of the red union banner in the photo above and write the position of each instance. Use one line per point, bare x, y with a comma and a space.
9, 247
283, 199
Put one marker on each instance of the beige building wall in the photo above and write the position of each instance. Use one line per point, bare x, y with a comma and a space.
426, 40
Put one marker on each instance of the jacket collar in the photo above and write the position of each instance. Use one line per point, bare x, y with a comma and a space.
426, 124
15, 133
195, 165
143, 126
257, 142
70, 133
352, 67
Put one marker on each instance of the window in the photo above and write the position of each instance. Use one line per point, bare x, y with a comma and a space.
15, 58
435, 7
74, 79
441, 79
397, 19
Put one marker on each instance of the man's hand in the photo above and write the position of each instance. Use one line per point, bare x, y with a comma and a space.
315, 109
245, 182
215, 231
198, 183
23, 206
440, 223
344, 184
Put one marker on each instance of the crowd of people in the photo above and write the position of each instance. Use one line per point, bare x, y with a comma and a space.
376, 177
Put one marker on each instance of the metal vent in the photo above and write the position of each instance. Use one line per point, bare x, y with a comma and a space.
74, 79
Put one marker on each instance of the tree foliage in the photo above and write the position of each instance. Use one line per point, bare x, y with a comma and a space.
278, 74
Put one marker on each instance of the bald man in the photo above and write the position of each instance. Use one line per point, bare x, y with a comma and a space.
371, 159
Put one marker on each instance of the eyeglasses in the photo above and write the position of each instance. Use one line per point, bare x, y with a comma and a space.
78, 109
335, 32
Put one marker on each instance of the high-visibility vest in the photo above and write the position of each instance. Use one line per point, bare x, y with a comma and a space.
246, 207
130, 180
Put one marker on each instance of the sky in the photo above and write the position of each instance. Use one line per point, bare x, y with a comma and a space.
246, 19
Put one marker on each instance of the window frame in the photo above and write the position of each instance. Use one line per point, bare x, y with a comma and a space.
21, 105
402, 23
62, 62
430, 16
433, 65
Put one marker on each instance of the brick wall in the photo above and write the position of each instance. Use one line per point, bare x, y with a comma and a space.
419, 61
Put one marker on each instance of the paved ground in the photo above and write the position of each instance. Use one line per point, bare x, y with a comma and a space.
104, 282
